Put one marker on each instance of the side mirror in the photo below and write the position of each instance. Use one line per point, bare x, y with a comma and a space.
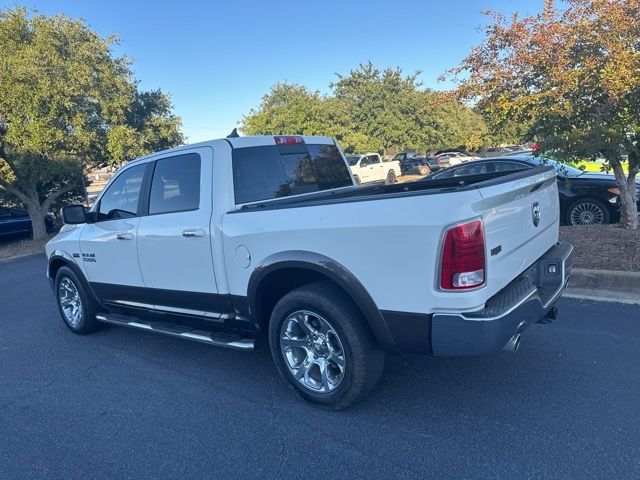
74, 214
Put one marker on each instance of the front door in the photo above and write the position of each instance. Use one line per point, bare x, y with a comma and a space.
174, 238
108, 246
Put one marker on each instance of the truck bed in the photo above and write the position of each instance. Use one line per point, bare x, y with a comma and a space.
390, 236
373, 192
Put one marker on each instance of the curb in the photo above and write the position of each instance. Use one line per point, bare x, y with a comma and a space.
604, 285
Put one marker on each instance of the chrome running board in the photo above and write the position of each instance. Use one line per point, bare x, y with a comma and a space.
218, 339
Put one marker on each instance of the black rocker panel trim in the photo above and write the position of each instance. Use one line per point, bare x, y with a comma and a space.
206, 302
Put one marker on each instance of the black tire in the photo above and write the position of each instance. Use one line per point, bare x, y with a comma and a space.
424, 170
86, 322
589, 207
391, 178
363, 360
356, 179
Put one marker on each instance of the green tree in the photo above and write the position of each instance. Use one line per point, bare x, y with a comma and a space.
381, 104
66, 102
288, 109
443, 122
572, 77
370, 110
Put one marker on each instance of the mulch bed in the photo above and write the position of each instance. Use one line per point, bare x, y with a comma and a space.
604, 247
18, 247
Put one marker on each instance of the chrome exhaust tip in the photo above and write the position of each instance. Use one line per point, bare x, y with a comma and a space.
513, 344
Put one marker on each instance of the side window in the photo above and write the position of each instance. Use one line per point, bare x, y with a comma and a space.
508, 166
175, 186
374, 159
446, 173
473, 169
365, 162
121, 198
399, 157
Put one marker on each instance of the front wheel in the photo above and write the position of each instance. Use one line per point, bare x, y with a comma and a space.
587, 211
322, 348
74, 303
356, 179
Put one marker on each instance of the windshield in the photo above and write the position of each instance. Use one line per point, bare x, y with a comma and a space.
353, 159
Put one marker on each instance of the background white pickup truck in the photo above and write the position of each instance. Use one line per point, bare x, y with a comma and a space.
226, 241
371, 168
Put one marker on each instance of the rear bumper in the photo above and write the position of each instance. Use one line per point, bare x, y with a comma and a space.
527, 299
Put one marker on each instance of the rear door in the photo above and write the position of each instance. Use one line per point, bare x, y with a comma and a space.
108, 246
174, 238
377, 168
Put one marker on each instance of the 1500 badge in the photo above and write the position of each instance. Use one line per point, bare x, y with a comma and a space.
89, 257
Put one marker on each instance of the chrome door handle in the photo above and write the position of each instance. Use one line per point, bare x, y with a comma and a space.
193, 233
124, 236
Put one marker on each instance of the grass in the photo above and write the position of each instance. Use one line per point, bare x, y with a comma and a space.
597, 167
21, 247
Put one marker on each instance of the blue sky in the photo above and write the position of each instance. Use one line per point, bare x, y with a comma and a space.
217, 59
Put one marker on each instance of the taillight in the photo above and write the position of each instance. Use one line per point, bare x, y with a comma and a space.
463, 257
288, 139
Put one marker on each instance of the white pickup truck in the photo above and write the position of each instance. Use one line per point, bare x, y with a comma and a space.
228, 241
371, 168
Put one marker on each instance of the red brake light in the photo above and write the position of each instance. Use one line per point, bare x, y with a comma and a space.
288, 139
463, 257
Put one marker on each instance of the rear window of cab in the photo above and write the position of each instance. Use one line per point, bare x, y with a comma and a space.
273, 171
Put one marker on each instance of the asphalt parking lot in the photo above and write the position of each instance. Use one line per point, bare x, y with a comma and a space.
128, 404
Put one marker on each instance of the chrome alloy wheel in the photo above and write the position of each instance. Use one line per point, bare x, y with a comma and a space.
587, 213
70, 301
312, 351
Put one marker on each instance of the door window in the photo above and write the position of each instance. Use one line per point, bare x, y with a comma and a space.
508, 166
473, 169
374, 159
122, 197
176, 184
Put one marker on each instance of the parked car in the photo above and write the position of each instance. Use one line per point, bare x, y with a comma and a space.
273, 239
446, 159
371, 168
585, 198
15, 222
417, 165
494, 152
412, 163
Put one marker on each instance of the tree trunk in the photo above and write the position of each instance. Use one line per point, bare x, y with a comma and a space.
36, 214
626, 185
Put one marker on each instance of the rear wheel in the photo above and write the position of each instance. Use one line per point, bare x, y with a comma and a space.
74, 303
391, 177
424, 170
321, 347
587, 211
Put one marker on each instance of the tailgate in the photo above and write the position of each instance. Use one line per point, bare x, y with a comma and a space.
521, 220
